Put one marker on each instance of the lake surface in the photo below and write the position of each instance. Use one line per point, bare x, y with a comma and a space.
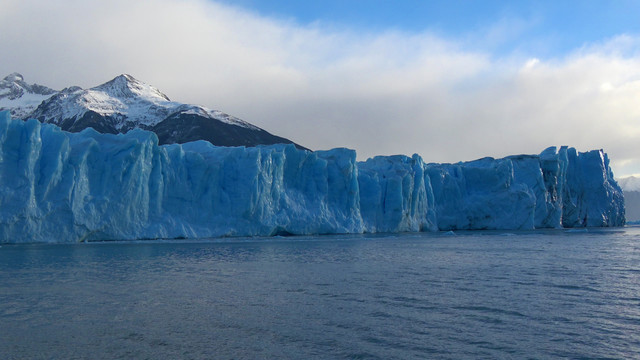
468, 295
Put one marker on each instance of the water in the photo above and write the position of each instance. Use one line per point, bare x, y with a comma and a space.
472, 295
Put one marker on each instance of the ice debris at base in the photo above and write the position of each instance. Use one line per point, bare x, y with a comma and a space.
65, 187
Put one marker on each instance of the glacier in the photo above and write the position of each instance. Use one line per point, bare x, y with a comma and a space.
57, 186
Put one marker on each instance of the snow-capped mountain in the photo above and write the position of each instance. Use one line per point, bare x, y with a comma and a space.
21, 98
125, 103
631, 187
630, 183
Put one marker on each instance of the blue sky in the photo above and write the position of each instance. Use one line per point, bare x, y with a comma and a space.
547, 28
449, 80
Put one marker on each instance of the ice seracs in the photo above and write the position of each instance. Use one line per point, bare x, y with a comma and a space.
396, 195
57, 186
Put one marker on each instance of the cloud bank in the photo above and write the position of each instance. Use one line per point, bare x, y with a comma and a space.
326, 86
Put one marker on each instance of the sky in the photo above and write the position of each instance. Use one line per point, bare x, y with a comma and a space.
449, 80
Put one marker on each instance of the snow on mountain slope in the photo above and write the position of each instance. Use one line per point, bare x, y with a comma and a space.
57, 186
125, 100
126, 103
630, 183
21, 98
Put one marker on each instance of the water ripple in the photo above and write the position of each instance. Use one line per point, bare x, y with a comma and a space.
473, 295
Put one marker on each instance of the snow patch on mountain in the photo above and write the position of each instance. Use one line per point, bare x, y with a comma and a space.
127, 101
20, 97
630, 183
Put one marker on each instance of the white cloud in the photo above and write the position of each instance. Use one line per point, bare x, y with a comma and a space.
531, 63
380, 93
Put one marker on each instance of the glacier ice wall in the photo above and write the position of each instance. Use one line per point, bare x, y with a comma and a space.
395, 194
63, 187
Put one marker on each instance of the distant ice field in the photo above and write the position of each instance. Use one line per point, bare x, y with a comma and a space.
442, 295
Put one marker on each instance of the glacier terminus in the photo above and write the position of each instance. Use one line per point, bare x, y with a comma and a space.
57, 186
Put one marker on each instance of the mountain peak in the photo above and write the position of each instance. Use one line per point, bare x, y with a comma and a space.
19, 97
16, 86
13, 77
120, 82
126, 86
124, 80
124, 103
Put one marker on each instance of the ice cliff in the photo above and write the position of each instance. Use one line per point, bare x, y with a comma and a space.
57, 186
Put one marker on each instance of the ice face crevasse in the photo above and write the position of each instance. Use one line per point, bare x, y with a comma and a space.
57, 186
